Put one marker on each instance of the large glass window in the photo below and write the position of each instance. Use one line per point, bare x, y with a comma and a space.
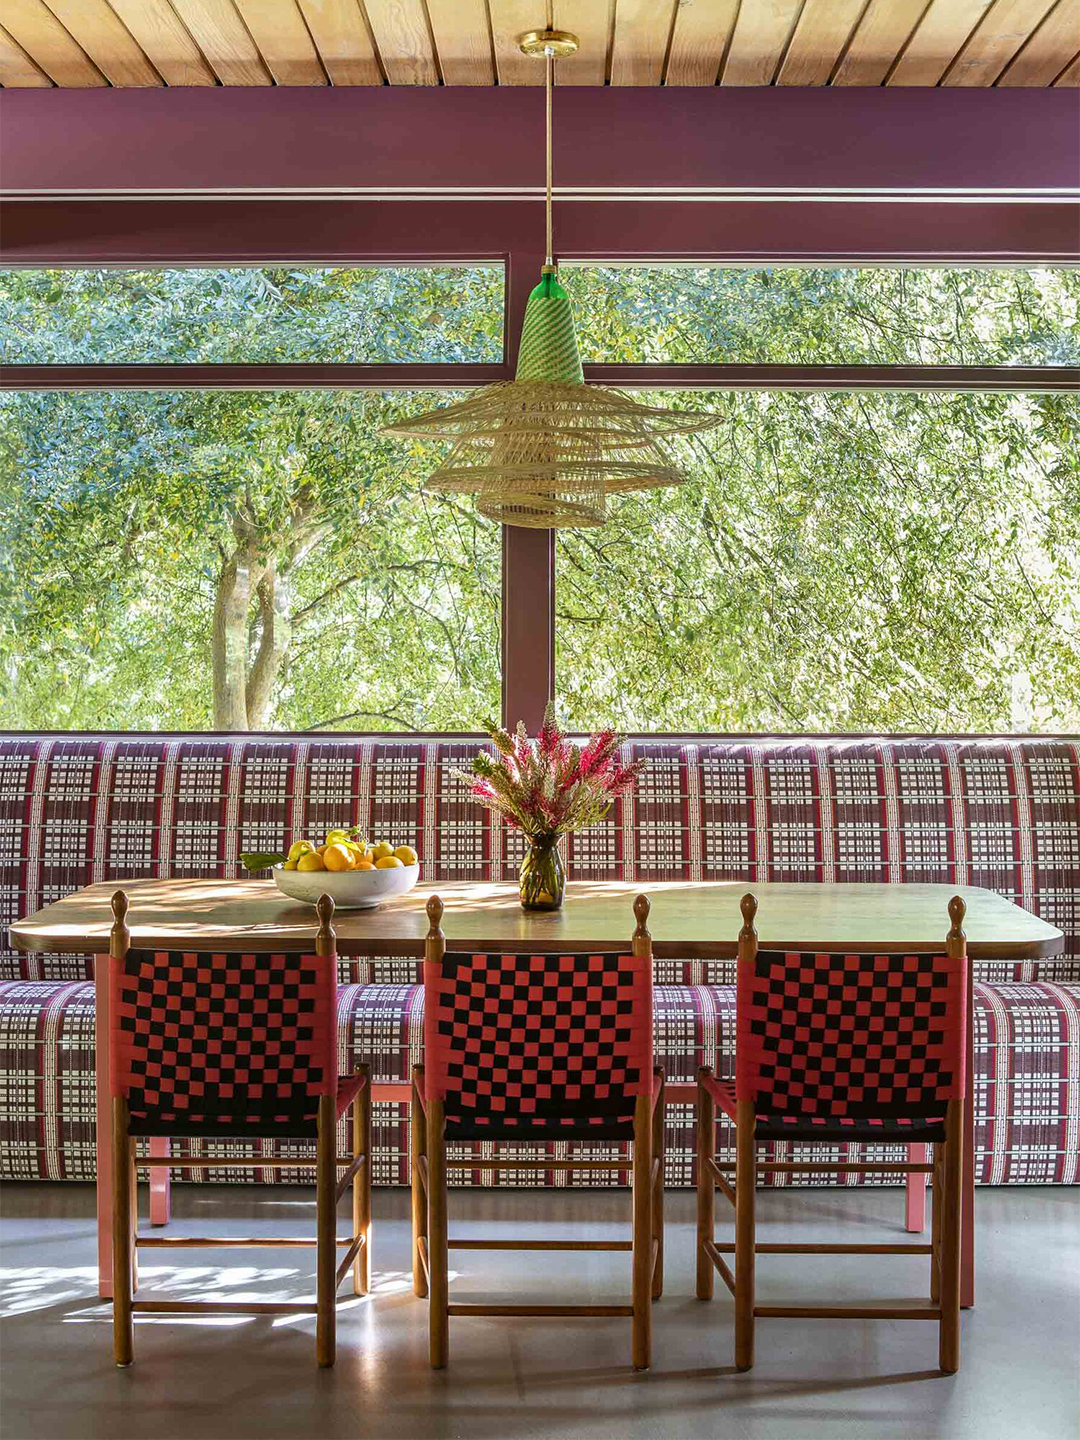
252, 315
803, 315
839, 562
866, 559
236, 560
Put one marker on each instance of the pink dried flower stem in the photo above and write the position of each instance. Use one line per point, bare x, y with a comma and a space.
550, 786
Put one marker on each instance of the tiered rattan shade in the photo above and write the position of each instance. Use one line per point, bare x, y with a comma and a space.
545, 449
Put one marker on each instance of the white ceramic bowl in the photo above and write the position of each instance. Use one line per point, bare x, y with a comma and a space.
349, 889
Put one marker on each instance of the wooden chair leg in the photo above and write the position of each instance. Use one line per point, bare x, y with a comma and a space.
362, 1186
641, 1348
658, 1192
122, 1247
706, 1189
438, 1258
950, 1241
134, 1218
745, 1182
936, 1203
418, 1147
326, 1234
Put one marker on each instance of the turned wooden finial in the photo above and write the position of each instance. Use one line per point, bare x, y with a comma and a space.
324, 936
435, 943
748, 906
641, 944
957, 911
435, 909
642, 906
120, 935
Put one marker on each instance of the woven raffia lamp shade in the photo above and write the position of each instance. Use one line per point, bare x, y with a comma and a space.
545, 450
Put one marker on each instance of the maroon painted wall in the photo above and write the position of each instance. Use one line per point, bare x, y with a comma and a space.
307, 139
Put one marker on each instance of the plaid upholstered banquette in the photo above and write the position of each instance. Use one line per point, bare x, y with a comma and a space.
1002, 813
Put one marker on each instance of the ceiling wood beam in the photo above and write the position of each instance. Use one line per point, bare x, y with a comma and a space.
509, 20
462, 33
761, 35
17, 70
170, 49
999, 35
278, 29
103, 36
1070, 76
35, 28
640, 41
400, 28
939, 36
592, 22
224, 40
878, 38
343, 41
1048, 50
699, 41
821, 32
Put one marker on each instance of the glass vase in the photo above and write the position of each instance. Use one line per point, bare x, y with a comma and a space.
542, 879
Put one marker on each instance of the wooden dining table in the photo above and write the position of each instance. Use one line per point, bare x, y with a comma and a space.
689, 920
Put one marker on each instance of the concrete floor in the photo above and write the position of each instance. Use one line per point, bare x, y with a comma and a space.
229, 1378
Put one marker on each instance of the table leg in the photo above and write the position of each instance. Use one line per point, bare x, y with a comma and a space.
915, 1198
104, 1126
160, 1185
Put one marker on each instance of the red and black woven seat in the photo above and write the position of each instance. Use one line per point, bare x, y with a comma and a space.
226, 1045
847, 1047
539, 1046
832, 1047
216, 1045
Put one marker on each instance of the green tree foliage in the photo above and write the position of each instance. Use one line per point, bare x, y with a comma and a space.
838, 562
233, 561
251, 315
807, 316
268, 560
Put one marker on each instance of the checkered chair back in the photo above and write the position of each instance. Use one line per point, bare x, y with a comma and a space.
550, 1045
205, 1044
827, 1039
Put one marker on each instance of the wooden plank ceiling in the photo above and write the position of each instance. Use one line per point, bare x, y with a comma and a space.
472, 42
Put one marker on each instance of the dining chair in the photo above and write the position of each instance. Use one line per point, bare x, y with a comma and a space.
549, 1047
836, 1048
226, 1047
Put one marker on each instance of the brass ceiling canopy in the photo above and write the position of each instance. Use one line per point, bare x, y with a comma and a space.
539, 43
544, 450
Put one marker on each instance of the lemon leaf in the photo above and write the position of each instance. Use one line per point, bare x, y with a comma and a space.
254, 860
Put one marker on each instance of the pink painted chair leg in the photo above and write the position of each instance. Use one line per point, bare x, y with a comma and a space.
915, 1217
104, 1126
160, 1191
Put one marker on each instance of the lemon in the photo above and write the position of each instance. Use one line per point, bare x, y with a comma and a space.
311, 861
364, 865
298, 848
388, 862
382, 850
289, 865
336, 857
406, 854
334, 837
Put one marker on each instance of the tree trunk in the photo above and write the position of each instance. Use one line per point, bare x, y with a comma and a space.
274, 639
240, 573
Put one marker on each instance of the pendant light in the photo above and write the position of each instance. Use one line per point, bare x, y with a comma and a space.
544, 450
